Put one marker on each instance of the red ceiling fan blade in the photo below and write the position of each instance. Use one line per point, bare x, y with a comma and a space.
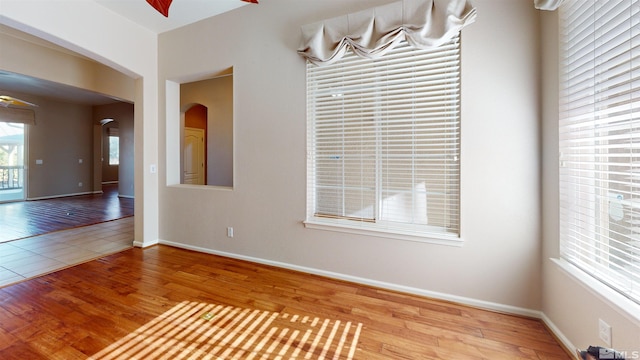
161, 5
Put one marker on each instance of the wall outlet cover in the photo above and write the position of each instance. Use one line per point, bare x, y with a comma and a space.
604, 331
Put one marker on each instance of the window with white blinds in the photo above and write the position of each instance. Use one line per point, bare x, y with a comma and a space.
600, 141
384, 142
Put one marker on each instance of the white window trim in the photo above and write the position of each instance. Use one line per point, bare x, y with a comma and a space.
368, 229
384, 229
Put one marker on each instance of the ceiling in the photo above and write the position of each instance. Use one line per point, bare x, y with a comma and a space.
11, 82
181, 13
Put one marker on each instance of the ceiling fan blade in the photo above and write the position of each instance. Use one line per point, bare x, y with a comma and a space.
161, 5
6, 100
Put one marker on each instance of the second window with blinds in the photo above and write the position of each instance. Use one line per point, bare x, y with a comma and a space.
599, 141
384, 144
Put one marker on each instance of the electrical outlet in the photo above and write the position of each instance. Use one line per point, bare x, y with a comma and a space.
79, 184
604, 330
230, 232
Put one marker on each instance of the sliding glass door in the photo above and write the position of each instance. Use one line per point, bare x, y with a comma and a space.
12, 171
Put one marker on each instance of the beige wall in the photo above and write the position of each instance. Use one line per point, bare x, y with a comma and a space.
63, 135
22, 54
61, 138
499, 264
123, 113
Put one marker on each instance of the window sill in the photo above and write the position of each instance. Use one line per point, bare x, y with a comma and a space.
201, 187
369, 229
622, 304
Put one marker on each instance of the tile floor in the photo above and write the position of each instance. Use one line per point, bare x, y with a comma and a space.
30, 257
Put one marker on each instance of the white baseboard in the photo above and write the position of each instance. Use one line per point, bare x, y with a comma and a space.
109, 182
126, 196
145, 244
558, 334
60, 196
379, 284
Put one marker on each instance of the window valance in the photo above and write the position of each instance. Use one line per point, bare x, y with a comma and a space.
15, 115
550, 5
373, 32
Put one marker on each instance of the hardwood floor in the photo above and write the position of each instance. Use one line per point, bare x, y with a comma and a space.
30, 218
168, 303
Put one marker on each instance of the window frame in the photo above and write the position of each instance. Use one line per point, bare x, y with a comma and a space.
376, 226
109, 137
591, 190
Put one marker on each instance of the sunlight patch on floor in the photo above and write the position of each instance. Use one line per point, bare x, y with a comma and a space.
193, 330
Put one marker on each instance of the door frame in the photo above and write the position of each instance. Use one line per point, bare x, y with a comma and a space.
25, 165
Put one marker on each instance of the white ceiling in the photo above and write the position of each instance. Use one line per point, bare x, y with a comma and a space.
181, 12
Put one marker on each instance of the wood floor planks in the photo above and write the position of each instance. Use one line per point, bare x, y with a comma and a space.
99, 308
29, 218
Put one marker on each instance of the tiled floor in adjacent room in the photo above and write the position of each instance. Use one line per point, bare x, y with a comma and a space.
30, 257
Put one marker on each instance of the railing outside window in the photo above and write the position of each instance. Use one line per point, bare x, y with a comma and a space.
11, 177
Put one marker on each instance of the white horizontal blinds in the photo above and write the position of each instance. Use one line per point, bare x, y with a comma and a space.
342, 146
384, 138
419, 134
600, 141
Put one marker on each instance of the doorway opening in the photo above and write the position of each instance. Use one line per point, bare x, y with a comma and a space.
12, 169
194, 149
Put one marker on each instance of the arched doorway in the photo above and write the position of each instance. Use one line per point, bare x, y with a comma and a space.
194, 146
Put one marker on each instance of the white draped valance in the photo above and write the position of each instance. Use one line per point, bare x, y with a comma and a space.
550, 5
373, 32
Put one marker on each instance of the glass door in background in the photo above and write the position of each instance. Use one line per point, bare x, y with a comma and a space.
12, 174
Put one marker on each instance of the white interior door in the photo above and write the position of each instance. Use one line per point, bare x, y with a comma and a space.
193, 153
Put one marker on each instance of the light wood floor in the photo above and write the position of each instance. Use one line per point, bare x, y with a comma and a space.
168, 303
